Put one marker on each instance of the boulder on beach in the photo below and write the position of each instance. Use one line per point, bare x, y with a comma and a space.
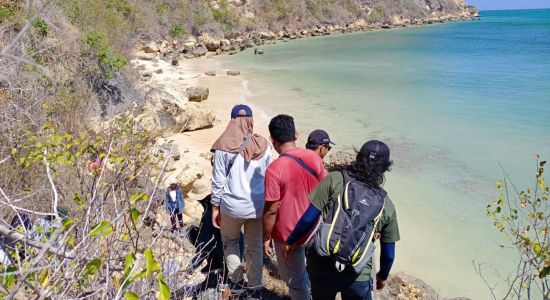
141, 55
225, 45
188, 176
233, 73
210, 73
198, 117
162, 112
258, 51
197, 94
200, 51
150, 47
212, 45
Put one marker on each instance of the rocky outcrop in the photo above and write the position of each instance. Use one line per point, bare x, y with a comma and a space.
191, 173
473, 11
197, 94
375, 15
404, 287
164, 113
198, 117
339, 160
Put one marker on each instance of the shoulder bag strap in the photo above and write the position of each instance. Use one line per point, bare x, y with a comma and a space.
241, 148
302, 164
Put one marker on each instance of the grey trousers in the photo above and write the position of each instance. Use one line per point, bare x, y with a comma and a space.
293, 271
230, 230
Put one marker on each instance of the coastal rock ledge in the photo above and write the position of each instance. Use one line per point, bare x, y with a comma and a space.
373, 15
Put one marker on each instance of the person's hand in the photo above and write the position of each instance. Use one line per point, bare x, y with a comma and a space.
216, 217
380, 284
268, 248
287, 249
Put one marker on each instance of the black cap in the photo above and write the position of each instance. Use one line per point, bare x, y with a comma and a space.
318, 137
375, 150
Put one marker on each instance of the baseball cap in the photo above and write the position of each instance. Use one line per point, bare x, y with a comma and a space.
376, 150
318, 137
238, 109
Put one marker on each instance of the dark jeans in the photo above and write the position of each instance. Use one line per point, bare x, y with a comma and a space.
357, 290
173, 219
326, 281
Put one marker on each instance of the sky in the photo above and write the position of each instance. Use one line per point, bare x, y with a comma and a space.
509, 4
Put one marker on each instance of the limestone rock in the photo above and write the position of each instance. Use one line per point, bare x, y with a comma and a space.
406, 287
163, 112
200, 51
197, 94
258, 51
141, 55
225, 45
164, 47
339, 160
150, 47
189, 46
188, 176
198, 117
233, 73
212, 45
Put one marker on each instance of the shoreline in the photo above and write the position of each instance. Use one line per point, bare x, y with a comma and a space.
206, 46
224, 92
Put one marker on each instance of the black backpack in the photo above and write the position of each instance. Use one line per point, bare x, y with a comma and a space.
347, 232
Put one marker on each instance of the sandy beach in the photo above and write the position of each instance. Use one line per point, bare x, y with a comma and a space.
194, 146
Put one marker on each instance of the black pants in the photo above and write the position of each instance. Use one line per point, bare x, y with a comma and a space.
358, 290
173, 219
326, 281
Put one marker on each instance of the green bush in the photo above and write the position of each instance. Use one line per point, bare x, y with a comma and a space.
225, 16
109, 60
376, 14
41, 27
176, 31
523, 217
6, 13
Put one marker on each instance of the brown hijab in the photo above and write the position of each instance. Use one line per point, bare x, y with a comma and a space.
234, 135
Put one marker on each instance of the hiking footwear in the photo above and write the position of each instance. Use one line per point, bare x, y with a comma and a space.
238, 289
254, 294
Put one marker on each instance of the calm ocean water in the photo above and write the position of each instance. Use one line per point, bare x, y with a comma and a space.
450, 100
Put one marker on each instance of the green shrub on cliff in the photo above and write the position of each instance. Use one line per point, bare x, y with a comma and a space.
523, 216
224, 15
110, 61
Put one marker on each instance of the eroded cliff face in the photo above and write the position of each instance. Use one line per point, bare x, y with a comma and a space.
295, 14
416, 8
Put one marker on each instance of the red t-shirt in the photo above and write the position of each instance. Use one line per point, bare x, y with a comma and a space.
290, 183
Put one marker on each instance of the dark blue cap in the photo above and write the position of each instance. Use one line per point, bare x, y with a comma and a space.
241, 110
375, 150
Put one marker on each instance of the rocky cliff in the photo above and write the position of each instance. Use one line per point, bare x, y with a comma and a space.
253, 15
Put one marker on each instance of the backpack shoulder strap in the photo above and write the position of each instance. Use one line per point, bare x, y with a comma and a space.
241, 148
347, 177
301, 163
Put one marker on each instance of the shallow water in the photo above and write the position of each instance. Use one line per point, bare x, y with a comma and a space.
450, 100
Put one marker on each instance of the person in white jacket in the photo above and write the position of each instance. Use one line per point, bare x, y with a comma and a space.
241, 158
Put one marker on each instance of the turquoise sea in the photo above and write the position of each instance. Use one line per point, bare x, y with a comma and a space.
450, 100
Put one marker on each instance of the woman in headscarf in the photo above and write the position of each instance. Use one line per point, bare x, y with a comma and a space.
240, 160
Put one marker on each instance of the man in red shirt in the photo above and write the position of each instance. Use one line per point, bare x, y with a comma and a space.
288, 182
